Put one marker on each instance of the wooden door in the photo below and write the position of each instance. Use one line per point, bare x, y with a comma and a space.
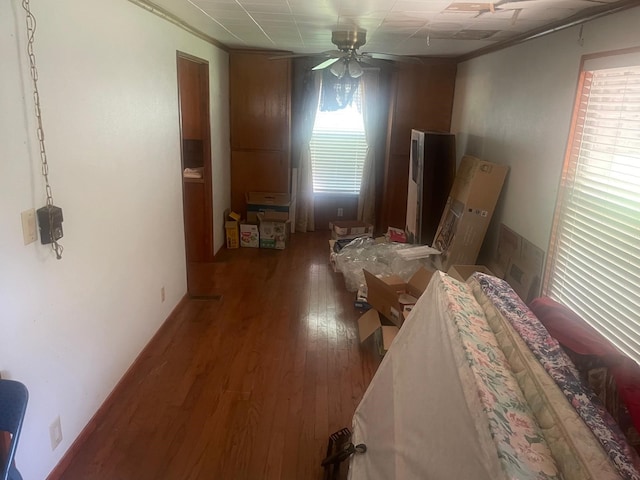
195, 134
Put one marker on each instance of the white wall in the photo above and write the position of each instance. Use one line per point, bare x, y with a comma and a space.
514, 107
107, 78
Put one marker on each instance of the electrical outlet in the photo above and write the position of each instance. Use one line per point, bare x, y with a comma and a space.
162, 296
55, 433
340, 212
29, 234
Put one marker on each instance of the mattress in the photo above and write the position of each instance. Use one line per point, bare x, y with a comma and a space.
561, 369
444, 402
575, 448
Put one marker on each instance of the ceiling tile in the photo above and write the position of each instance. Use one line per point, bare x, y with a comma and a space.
266, 8
393, 26
421, 6
218, 7
272, 17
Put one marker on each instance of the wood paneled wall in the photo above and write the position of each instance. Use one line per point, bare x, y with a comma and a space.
260, 110
422, 98
326, 209
419, 96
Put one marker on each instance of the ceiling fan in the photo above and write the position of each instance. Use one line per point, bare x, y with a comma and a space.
346, 60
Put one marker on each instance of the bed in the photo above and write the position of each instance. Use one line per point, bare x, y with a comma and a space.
474, 387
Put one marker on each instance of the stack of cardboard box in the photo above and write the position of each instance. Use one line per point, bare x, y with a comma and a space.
459, 236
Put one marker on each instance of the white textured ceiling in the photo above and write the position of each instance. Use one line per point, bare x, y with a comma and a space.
402, 27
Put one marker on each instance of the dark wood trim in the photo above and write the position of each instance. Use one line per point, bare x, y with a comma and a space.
192, 58
97, 418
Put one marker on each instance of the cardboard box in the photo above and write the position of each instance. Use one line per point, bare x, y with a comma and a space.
231, 229
249, 235
468, 212
370, 324
343, 230
267, 202
463, 272
390, 295
275, 229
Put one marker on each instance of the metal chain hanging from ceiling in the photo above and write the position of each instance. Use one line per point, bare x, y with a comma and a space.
31, 28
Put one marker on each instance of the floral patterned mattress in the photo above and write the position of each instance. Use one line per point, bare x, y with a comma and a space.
473, 387
559, 367
444, 403
521, 446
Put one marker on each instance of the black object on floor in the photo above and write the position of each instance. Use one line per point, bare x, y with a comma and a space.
339, 448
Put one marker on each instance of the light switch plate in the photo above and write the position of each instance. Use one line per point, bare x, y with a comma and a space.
55, 433
29, 233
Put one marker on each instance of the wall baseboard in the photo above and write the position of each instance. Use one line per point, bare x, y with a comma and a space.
97, 417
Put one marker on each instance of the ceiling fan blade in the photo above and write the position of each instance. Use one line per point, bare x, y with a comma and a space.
334, 54
328, 53
395, 58
325, 64
291, 55
372, 63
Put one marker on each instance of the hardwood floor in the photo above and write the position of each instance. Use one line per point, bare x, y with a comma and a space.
248, 386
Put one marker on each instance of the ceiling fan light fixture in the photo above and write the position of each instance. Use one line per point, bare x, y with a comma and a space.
355, 70
338, 69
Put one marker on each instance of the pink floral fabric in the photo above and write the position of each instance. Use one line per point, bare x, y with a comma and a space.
521, 446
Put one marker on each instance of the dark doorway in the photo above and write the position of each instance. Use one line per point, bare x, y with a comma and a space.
195, 133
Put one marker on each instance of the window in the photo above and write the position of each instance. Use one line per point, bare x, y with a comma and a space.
594, 265
338, 149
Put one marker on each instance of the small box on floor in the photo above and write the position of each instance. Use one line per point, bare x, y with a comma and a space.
249, 235
341, 230
275, 230
371, 324
390, 295
231, 229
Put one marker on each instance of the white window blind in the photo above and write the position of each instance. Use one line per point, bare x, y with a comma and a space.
338, 149
594, 263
